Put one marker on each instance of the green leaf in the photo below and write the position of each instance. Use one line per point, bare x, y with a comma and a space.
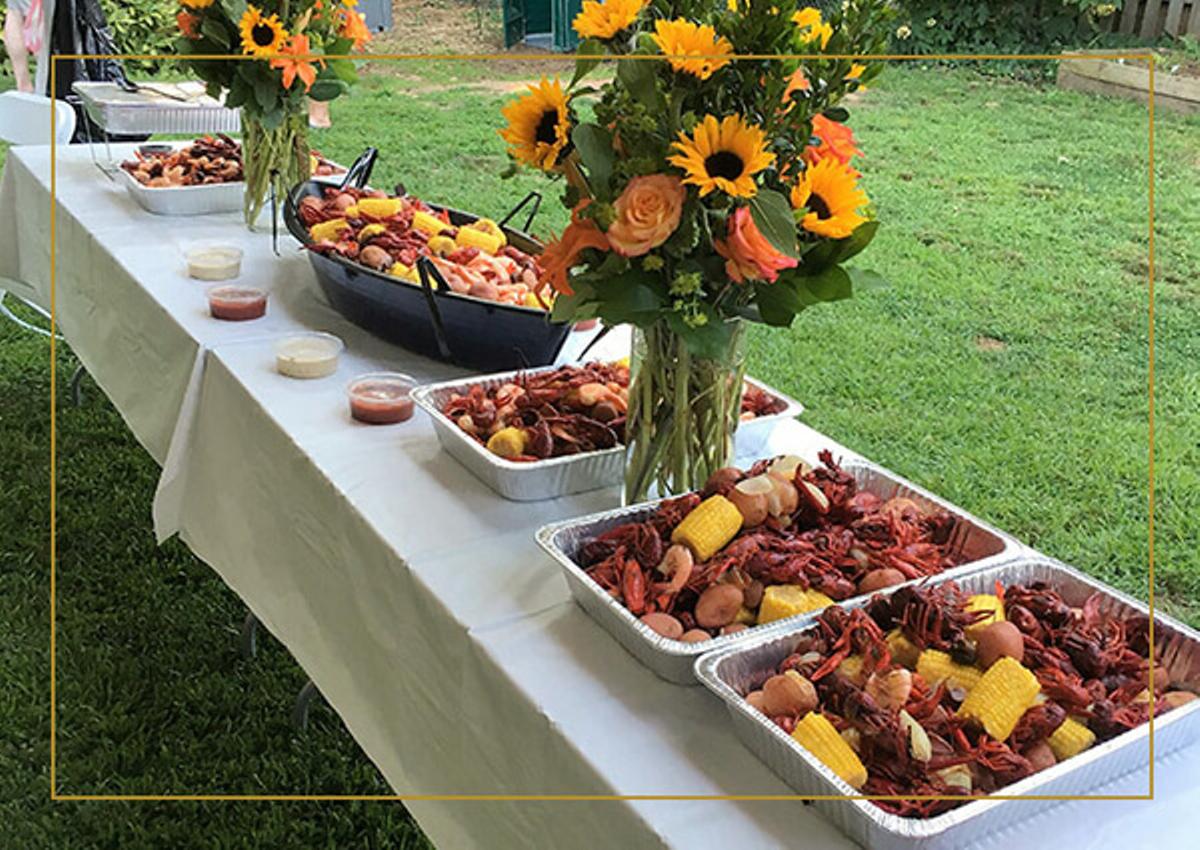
344, 70
773, 217
778, 302
865, 280
213, 29
638, 76
327, 89
833, 284
573, 308
835, 251
837, 113
239, 93
710, 340
630, 297
595, 147
590, 53
267, 91
340, 47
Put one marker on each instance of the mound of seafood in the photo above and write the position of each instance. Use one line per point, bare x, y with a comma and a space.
208, 160
932, 692
569, 410
755, 546
389, 234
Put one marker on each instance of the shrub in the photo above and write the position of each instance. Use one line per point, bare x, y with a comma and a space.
1002, 26
142, 26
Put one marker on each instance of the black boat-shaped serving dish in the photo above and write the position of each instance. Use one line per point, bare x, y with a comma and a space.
433, 321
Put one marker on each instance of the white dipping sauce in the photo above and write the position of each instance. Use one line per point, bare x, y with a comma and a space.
310, 355
214, 262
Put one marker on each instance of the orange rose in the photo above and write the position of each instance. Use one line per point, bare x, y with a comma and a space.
748, 255
189, 25
647, 213
561, 254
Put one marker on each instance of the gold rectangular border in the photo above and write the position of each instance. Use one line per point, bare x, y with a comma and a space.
55, 796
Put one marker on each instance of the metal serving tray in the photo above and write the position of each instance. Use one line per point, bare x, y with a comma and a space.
186, 200
115, 110
673, 660
553, 477
731, 672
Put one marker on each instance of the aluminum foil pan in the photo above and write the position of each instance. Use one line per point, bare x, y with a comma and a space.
148, 111
553, 477
185, 200
731, 672
976, 541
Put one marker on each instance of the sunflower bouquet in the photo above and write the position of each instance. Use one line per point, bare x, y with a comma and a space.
285, 43
711, 182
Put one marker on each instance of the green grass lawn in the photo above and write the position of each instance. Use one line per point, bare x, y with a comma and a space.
1006, 369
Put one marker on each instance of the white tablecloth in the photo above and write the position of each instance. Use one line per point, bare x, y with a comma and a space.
413, 596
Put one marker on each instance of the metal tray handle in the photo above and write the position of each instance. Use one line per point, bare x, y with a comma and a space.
536, 197
428, 273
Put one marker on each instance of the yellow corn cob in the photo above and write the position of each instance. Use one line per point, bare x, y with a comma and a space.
852, 670
379, 207
407, 273
904, 651
817, 735
985, 602
788, 600
710, 525
507, 442
470, 237
441, 245
486, 225
1070, 739
328, 229
1003, 694
369, 230
937, 666
431, 224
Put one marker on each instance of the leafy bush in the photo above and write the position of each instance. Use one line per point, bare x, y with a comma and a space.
1001, 26
142, 26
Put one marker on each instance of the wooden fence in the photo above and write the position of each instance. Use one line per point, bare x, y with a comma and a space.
1152, 18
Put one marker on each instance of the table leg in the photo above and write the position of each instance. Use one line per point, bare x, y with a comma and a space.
304, 701
249, 641
76, 388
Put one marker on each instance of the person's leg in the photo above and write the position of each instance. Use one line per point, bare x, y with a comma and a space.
14, 43
318, 114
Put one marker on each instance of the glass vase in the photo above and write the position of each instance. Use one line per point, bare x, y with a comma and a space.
683, 411
276, 158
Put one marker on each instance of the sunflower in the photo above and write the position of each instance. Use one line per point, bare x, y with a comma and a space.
856, 71
262, 37
683, 38
724, 155
831, 195
539, 127
197, 4
606, 18
293, 66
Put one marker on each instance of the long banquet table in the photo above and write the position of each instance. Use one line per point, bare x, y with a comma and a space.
413, 596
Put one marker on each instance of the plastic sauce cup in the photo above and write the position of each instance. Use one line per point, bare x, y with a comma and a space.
233, 303
308, 355
381, 398
214, 262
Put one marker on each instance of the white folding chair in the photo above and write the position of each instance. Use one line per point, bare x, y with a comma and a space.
25, 120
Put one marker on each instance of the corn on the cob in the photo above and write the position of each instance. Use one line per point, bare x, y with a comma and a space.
817, 735
852, 670
431, 224
788, 600
710, 525
379, 207
328, 230
1003, 694
507, 442
1070, 739
441, 245
469, 237
935, 666
369, 230
985, 602
407, 273
904, 651
486, 225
